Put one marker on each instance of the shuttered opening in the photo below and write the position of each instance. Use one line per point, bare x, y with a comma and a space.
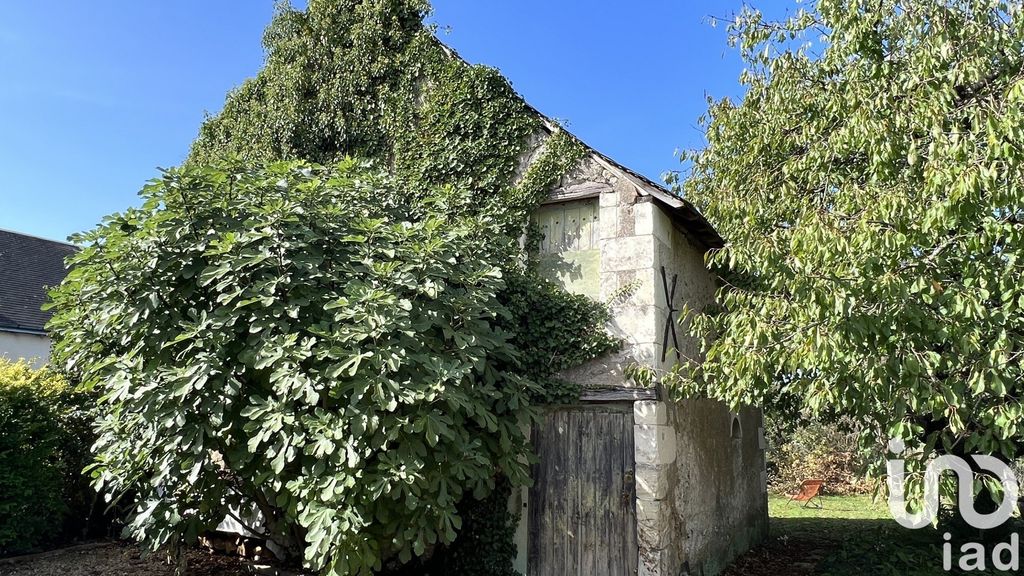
570, 245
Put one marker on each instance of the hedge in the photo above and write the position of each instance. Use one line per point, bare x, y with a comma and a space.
44, 446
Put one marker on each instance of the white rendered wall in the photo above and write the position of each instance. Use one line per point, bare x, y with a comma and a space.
33, 348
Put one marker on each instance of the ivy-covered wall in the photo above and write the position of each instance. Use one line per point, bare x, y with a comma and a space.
366, 78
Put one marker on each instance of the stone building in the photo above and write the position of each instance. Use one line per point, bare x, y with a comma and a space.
629, 481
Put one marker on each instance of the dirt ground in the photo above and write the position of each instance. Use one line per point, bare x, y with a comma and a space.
782, 557
118, 559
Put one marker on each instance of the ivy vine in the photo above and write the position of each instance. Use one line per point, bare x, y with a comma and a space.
367, 78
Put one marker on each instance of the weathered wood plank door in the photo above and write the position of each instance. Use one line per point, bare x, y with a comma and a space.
582, 516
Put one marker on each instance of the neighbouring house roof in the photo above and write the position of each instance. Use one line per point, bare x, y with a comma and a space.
29, 266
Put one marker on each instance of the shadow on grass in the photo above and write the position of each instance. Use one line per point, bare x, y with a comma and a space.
827, 546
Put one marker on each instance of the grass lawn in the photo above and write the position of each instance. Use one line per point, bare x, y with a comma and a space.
850, 535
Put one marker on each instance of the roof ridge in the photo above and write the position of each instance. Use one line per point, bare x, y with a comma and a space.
691, 215
33, 236
552, 125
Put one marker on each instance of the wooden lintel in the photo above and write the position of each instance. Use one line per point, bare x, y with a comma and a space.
578, 192
618, 394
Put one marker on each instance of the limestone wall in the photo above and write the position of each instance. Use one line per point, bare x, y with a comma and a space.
701, 492
694, 286
718, 496
628, 279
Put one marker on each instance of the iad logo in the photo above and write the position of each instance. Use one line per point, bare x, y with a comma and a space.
973, 556
965, 489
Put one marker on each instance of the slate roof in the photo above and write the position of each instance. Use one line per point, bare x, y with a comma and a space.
29, 266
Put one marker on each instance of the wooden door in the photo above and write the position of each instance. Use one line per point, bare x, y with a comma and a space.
582, 515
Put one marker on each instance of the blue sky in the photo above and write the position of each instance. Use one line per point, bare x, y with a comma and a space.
94, 96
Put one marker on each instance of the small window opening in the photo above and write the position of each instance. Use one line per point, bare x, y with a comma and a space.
737, 428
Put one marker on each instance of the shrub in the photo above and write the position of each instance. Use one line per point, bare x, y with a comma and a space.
318, 344
816, 449
44, 445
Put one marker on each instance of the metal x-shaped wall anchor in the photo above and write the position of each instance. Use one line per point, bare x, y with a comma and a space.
670, 322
